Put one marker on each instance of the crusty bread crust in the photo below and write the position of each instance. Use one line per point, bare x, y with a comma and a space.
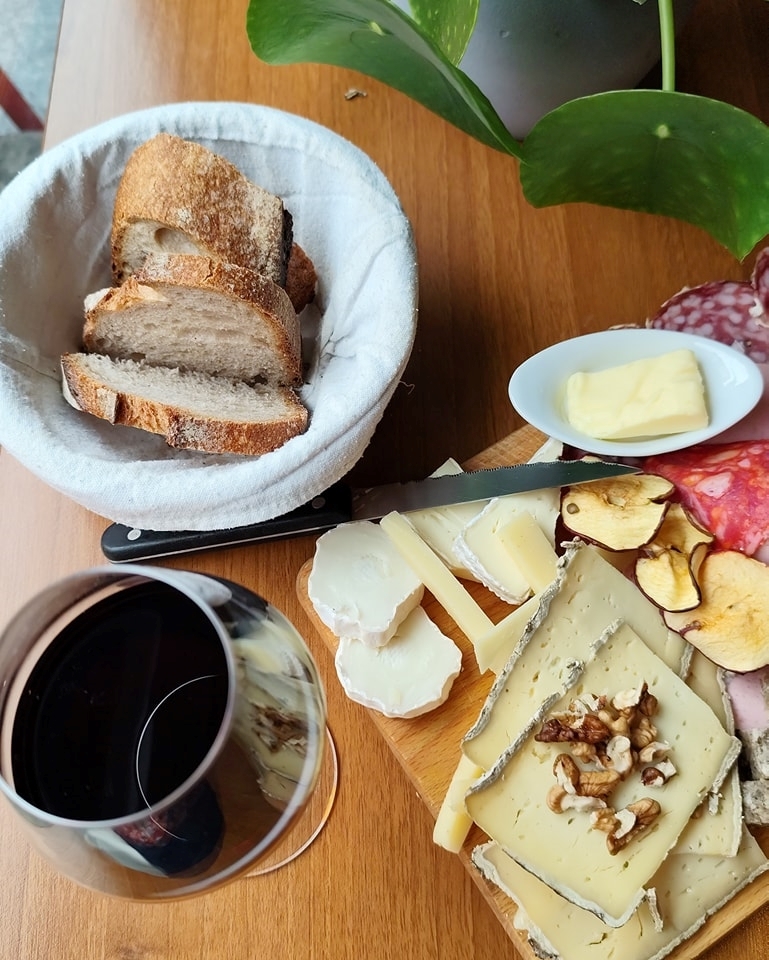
301, 278
254, 334
176, 195
180, 424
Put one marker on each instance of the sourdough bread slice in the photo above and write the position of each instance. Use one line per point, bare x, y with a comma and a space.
200, 314
176, 196
190, 410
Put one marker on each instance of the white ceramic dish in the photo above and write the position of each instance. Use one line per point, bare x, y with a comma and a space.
55, 221
733, 385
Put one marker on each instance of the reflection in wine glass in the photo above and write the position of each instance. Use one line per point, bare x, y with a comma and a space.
161, 732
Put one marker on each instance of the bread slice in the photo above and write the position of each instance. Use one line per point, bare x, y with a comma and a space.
190, 410
176, 196
200, 314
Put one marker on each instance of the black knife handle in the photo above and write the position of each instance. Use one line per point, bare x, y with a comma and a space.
122, 544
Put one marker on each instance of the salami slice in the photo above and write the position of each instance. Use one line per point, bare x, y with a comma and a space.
726, 488
728, 311
760, 278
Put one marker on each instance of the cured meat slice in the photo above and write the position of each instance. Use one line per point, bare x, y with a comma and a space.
760, 278
726, 488
729, 311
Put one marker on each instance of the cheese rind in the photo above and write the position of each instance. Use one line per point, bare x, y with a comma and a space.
650, 397
717, 829
510, 802
411, 675
439, 527
688, 888
587, 597
359, 585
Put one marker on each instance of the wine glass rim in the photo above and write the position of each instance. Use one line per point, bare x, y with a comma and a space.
179, 580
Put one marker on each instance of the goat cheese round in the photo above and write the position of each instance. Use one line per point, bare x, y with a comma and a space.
360, 586
410, 676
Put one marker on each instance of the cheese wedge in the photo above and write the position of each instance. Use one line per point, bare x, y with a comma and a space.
689, 889
510, 802
453, 822
587, 596
359, 585
436, 576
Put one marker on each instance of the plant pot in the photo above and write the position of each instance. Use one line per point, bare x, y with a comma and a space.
530, 56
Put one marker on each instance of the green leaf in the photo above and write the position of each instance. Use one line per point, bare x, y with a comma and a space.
695, 159
377, 39
450, 23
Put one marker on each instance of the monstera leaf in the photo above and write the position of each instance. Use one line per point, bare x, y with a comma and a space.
655, 151
660, 152
375, 38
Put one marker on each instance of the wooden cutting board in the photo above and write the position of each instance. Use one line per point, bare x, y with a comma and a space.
427, 747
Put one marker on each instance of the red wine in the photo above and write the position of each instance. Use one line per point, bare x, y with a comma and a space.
122, 707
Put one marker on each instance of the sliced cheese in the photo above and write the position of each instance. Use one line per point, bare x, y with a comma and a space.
453, 822
359, 585
439, 527
587, 596
716, 829
562, 849
409, 676
436, 576
483, 551
530, 549
650, 397
689, 889
494, 648
479, 546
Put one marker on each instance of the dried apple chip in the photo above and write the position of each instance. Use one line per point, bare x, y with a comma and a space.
666, 569
730, 624
622, 513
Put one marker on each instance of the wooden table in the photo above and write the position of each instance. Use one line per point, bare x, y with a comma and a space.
499, 281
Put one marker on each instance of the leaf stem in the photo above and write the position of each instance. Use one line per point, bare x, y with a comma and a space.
668, 43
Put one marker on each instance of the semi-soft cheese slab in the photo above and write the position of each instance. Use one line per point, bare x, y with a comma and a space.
510, 802
715, 829
587, 596
689, 889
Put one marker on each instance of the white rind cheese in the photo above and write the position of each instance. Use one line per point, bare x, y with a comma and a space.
587, 597
411, 675
439, 527
482, 549
359, 585
487, 556
510, 802
689, 889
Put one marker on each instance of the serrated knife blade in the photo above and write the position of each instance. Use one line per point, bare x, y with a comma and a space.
341, 504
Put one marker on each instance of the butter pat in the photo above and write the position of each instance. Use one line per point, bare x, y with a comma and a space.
651, 397
359, 585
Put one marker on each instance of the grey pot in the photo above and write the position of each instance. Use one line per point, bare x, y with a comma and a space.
530, 56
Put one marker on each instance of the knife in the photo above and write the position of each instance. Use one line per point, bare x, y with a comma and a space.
340, 504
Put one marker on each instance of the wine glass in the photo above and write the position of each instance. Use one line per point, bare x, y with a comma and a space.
161, 732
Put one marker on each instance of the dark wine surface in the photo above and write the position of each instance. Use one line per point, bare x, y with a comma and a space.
122, 706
